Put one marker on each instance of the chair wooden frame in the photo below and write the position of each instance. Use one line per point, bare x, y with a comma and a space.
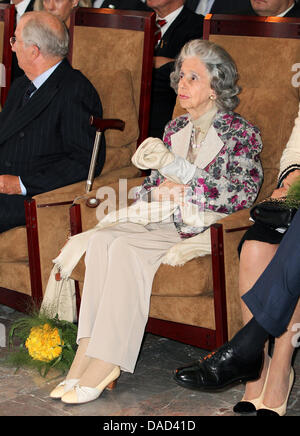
273, 27
7, 15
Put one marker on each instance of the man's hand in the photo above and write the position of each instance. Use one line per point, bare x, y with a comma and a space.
159, 61
10, 184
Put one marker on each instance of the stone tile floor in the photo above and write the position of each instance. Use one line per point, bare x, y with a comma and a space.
149, 392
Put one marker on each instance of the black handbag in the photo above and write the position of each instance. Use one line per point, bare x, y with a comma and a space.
274, 213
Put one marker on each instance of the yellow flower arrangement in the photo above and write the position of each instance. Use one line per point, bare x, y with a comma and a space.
44, 343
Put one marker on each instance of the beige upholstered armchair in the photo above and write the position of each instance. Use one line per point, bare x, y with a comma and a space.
198, 303
114, 49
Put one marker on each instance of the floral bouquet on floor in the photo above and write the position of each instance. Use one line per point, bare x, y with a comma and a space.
45, 343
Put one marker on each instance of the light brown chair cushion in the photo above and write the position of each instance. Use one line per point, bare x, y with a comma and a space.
13, 245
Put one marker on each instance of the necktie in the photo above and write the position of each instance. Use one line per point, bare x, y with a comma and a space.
157, 34
31, 88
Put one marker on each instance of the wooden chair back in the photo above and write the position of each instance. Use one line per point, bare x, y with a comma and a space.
114, 49
7, 19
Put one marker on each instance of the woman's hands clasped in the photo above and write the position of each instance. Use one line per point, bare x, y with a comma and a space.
169, 191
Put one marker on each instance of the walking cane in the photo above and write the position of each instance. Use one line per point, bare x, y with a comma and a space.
101, 126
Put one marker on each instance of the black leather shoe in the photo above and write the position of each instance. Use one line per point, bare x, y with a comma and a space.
218, 370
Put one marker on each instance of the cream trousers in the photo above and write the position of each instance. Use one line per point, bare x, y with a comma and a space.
121, 262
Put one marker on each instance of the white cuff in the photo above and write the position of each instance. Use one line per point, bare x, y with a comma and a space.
180, 170
23, 189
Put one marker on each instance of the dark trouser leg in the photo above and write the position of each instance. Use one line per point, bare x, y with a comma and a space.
12, 211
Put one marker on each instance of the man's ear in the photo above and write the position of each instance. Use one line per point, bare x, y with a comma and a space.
35, 51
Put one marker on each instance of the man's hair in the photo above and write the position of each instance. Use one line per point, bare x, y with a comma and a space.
47, 32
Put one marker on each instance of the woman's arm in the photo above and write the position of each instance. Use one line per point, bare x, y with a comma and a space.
232, 181
290, 159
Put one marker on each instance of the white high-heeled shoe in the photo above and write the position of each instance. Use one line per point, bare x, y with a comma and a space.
62, 388
84, 394
250, 406
281, 410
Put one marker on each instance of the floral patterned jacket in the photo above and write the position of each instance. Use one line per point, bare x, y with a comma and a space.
229, 173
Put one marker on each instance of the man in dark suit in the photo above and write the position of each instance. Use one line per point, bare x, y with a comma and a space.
269, 8
273, 8
45, 138
181, 26
134, 5
218, 6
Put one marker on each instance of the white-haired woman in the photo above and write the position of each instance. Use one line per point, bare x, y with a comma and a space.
213, 151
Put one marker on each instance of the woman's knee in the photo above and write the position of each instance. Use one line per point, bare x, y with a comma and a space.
255, 257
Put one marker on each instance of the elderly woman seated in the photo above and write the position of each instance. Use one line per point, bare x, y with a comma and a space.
209, 159
61, 8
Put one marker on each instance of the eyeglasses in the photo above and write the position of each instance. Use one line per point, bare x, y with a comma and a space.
13, 40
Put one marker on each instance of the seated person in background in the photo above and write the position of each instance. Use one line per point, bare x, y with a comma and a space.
210, 149
275, 309
21, 6
275, 8
180, 26
204, 7
265, 8
257, 248
134, 5
45, 138
61, 8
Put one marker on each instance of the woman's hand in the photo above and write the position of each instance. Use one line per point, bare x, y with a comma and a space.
159, 61
280, 192
287, 182
169, 191
291, 178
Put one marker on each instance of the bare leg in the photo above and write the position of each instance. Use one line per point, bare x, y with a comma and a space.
81, 361
278, 378
96, 371
255, 257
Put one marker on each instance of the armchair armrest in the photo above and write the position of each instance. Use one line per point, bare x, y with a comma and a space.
53, 217
233, 228
238, 221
